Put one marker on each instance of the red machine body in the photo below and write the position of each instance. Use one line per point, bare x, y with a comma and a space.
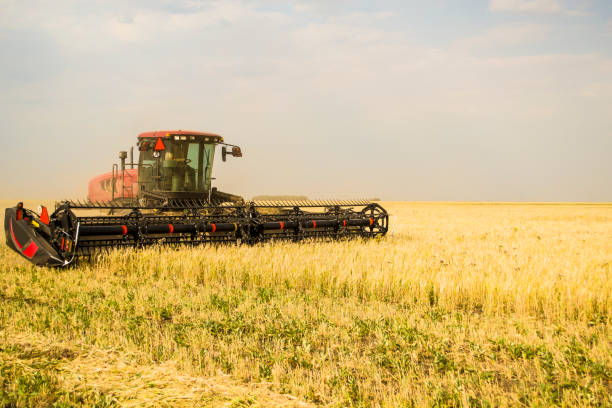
101, 187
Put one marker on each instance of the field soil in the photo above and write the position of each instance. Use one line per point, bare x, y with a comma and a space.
459, 305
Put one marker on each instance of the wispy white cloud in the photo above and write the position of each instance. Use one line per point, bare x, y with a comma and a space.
504, 35
537, 6
101, 27
533, 6
148, 24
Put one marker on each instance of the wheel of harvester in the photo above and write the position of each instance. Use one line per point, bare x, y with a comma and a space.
379, 220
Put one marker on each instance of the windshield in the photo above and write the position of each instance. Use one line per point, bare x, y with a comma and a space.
182, 166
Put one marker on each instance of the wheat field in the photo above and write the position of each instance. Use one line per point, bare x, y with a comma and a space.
461, 304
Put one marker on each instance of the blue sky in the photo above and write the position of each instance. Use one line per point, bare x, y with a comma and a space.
442, 100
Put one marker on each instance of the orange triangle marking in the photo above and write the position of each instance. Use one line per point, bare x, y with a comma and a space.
159, 145
44, 215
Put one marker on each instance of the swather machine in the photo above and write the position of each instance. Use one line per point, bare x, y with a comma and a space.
167, 198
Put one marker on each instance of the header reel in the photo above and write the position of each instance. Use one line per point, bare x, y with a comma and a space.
63, 237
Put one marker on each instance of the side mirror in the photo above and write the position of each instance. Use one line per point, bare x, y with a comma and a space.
236, 152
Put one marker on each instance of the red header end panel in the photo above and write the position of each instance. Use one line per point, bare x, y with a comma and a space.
22, 238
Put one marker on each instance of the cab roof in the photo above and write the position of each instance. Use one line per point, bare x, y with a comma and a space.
165, 133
